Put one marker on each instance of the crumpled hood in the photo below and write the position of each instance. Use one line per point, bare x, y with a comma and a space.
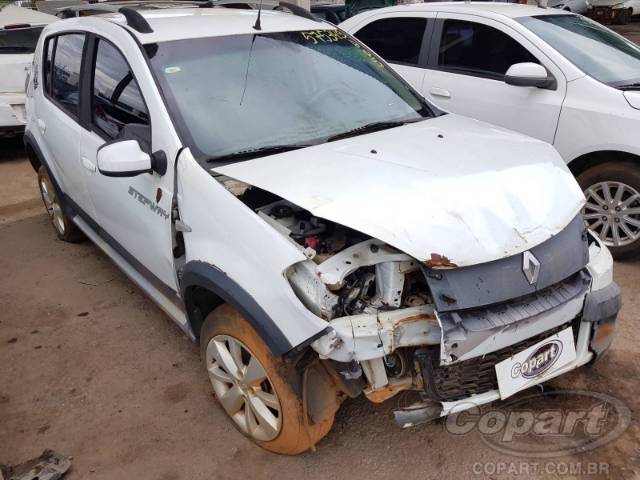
449, 186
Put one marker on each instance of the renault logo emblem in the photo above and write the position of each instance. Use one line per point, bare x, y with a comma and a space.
530, 267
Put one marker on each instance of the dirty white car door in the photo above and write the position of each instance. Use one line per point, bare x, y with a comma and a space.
399, 39
58, 115
133, 209
468, 60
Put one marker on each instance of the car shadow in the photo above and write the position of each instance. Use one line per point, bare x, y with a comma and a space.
12, 148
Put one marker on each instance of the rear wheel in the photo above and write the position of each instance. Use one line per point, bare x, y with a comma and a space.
64, 227
612, 209
252, 387
624, 17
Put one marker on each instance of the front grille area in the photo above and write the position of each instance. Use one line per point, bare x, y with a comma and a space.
477, 375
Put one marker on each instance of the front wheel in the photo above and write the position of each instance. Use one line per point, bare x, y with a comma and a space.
612, 210
252, 387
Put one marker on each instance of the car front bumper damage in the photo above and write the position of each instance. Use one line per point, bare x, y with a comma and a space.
482, 315
593, 334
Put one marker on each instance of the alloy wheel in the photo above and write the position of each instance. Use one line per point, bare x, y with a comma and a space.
612, 211
52, 205
243, 388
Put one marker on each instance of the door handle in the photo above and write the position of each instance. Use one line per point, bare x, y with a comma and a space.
440, 92
88, 164
41, 125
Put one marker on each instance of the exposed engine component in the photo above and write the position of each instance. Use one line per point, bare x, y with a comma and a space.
324, 237
397, 364
347, 273
372, 294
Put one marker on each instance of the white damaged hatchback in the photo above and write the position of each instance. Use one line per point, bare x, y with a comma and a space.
320, 229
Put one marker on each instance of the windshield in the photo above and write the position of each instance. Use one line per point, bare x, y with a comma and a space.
245, 93
20, 40
594, 49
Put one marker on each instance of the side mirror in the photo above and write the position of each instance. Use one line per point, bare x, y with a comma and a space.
529, 74
123, 158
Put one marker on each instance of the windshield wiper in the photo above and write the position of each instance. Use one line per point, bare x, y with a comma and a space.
257, 152
15, 49
370, 127
629, 86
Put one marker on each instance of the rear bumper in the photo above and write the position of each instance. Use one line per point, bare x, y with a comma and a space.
12, 112
604, 14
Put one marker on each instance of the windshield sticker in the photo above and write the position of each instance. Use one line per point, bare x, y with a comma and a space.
323, 36
331, 36
170, 70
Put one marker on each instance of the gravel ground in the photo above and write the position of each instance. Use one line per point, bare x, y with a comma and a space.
90, 367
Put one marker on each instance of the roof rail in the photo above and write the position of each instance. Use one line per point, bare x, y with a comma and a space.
295, 9
134, 19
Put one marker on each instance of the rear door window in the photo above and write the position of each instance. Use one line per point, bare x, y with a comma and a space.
65, 78
397, 40
477, 49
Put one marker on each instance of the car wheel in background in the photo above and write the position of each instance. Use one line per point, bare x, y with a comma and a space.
612, 209
624, 16
64, 227
252, 386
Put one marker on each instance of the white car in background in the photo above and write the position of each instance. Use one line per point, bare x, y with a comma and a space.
19, 32
548, 73
573, 6
614, 11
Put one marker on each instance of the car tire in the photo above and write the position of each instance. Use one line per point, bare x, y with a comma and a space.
624, 17
612, 211
226, 340
63, 225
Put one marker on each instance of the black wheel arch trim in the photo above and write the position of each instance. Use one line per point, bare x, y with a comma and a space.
204, 275
31, 143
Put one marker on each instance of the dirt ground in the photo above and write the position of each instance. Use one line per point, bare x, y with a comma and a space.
90, 367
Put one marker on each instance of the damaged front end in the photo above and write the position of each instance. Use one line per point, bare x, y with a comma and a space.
396, 323
442, 330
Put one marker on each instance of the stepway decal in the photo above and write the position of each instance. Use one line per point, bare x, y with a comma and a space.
154, 207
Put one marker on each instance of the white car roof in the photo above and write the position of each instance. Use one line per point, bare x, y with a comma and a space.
490, 9
181, 23
12, 14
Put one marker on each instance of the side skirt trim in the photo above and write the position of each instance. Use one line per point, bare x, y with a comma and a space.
172, 308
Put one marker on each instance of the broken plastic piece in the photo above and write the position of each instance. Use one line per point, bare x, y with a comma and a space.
418, 414
48, 466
